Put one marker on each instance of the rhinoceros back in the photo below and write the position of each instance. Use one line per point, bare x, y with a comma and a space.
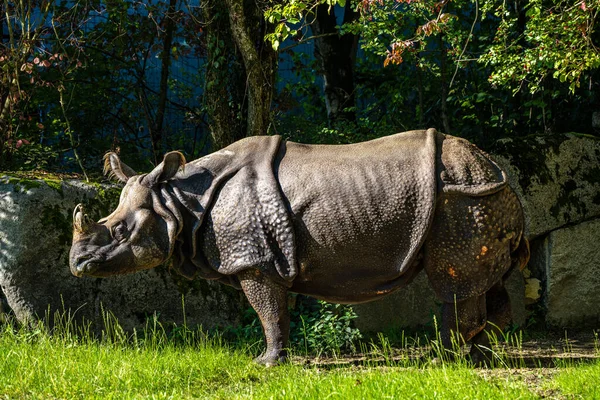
360, 210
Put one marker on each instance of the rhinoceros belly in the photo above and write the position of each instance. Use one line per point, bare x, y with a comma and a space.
360, 213
350, 272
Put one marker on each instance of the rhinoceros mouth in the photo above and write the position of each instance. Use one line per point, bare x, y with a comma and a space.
86, 266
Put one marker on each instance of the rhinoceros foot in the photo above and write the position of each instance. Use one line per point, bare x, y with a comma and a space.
481, 356
271, 359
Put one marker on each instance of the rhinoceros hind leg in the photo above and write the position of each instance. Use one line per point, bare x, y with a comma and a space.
461, 321
498, 317
269, 300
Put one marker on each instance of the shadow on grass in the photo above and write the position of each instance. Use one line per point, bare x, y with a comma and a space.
511, 352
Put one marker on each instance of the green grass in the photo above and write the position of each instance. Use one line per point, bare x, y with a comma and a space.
184, 364
578, 381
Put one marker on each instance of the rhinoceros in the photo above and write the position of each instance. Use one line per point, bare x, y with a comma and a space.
343, 223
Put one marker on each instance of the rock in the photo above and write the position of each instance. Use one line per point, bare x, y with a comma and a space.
556, 177
570, 259
515, 286
35, 238
596, 120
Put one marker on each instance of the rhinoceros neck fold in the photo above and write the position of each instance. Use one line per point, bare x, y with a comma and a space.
189, 212
249, 200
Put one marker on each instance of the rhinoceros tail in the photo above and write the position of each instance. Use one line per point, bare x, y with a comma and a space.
520, 257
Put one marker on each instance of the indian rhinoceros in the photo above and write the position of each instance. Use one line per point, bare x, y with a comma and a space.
342, 223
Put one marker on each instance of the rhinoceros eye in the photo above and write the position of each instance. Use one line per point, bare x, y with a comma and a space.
119, 231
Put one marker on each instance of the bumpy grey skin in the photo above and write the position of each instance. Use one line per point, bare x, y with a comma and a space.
346, 224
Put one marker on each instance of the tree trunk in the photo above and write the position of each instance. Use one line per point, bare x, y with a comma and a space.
420, 90
260, 61
156, 134
336, 55
225, 78
444, 86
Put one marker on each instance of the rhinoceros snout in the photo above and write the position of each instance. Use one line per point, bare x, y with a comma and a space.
83, 265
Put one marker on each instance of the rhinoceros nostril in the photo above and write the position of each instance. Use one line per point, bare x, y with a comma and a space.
85, 265
82, 259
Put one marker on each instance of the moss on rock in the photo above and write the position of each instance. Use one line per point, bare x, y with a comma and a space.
20, 184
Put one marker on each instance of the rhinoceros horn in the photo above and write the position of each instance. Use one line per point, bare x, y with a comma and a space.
81, 222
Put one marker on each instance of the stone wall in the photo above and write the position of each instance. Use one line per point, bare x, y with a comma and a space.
567, 262
35, 238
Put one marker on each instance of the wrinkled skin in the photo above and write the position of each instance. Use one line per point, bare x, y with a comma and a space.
346, 224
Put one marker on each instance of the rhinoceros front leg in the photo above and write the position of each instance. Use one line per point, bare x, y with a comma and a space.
269, 300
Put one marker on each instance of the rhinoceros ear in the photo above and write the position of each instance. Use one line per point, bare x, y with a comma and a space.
166, 170
114, 167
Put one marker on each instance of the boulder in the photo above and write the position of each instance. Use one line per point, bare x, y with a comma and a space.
409, 308
570, 263
35, 238
557, 178
415, 306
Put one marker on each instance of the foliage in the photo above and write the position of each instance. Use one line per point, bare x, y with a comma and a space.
316, 327
26, 67
458, 66
556, 40
323, 328
80, 80
291, 18
79, 76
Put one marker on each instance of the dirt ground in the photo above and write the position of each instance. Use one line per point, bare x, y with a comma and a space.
533, 353
533, 362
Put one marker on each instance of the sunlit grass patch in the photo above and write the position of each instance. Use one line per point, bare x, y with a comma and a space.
69, 362
294, 382
577, 380
49, 366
